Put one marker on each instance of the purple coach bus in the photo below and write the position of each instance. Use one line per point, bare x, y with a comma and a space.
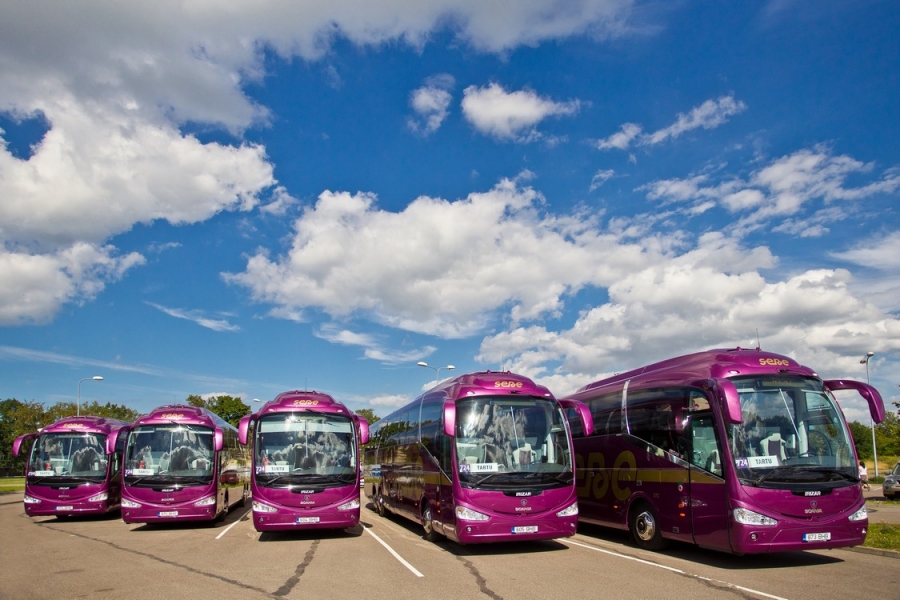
305, 462
738, 450
482, 457
73, 468
182, 463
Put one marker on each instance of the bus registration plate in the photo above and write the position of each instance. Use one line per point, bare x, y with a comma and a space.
525, 529
64, 507
167, 513
307, 519
816, 537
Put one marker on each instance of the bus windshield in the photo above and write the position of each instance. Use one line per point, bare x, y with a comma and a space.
79, 456
169, 454
792, 433
305, 448
506, 441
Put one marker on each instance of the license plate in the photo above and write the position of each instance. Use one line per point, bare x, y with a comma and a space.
167, 513
307, 519
64, 507
816, 537
525, 529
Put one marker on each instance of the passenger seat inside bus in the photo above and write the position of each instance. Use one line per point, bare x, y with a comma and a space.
773, 445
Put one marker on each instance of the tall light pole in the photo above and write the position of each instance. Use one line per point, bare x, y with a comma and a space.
78, 405
865, 361
436, 369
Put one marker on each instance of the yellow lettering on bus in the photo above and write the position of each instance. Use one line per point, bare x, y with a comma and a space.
306, 402
774, 362
624, 470
507, 384
172, 416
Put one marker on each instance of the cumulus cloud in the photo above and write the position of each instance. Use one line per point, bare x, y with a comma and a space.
708, 115
115, 82
431, 104
440, 267
511, 116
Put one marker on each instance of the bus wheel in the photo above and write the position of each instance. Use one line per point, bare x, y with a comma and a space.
645, 528
428, 523
379, 503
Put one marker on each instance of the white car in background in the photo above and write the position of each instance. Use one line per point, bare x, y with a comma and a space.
891, 488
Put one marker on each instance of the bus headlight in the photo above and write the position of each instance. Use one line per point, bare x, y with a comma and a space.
263, 508
29, 500
748, 517
352, 505
568, 512
208, 501
467, 514
861, 515
129, 504
101, 497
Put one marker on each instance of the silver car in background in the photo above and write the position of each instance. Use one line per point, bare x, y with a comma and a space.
891, 487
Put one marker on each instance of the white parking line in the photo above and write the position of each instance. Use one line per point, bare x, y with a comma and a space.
674, 570
394, 553
227, 529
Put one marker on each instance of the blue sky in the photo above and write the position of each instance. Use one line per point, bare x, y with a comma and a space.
204, 198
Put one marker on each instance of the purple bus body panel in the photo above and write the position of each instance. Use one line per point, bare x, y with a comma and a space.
302, 506
695, 505
171, 502
49, 496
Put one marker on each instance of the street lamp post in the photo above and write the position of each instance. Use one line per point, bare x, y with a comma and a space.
865, 361
78, 401
436, 369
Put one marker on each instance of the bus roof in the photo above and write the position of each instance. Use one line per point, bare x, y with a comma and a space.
489, 383
303, 400
724, 363
183, 413
84, 423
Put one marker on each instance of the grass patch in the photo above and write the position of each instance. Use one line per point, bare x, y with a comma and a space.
12, 484
885, 536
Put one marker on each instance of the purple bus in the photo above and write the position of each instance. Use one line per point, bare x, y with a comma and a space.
182, 463
73, 468
738, 450
305, 462
482, 457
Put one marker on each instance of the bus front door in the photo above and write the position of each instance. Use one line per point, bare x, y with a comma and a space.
708, 492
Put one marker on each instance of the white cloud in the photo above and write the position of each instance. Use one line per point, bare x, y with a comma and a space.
390, 402
197, 316
511, 116
114, 81
780, 189
431, 104
374, 349
708, 115
882, 253
33, 287
601, 177
439, 267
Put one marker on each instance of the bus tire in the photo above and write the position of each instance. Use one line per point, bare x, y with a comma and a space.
430, 534
379, 502
645, 528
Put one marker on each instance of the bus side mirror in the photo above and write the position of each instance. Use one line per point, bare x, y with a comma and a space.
584, 413
219, 440
732, 412
363, 431
17, 443
870, 394
450, 419
244, 429
112, 439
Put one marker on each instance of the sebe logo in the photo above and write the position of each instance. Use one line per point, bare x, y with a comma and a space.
774, 362
171, 416
507, 384
73, 425
305, 402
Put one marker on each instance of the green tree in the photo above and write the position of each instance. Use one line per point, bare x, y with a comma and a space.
368, 414
862, 438
18, 418
229, 408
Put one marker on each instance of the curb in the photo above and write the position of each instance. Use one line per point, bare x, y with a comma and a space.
875, 551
